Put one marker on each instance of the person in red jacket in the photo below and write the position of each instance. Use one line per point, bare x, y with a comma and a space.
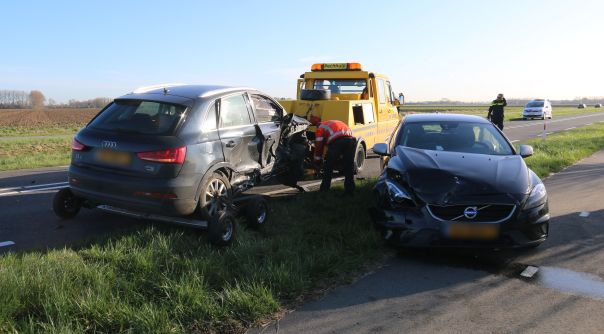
340, 144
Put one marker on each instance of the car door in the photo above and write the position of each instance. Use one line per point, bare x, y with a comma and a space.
238, 133
268, 116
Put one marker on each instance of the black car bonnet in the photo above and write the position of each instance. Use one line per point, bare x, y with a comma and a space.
440, 177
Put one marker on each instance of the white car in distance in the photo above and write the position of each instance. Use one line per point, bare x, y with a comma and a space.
538, 108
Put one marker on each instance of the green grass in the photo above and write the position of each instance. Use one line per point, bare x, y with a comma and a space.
34, 153
512, 113
159, 279
48, 130
563, 149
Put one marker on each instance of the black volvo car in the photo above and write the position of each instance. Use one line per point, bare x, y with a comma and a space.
176, 150
456, 181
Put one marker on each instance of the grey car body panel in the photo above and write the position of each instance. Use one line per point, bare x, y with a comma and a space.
443, 177
205, 154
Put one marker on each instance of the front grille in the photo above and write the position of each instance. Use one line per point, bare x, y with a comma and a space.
485, 212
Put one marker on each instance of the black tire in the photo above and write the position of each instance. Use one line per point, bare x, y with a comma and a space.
65, 204
215, 196
359, 158
256, 212
315, 94
221, 229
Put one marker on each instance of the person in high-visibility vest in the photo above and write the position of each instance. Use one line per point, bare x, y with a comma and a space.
496, 111
340, 144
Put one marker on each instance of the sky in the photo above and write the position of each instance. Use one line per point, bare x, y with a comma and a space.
459, 50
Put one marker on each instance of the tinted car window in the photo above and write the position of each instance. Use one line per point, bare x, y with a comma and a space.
534, 104
463, 137
234, 112
266, 110
138, 116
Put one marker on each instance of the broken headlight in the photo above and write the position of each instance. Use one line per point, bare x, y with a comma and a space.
398, 195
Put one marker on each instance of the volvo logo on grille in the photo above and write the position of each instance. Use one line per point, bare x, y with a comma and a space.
470, 212
108, 144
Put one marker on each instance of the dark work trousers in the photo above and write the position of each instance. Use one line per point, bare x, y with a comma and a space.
343, 147
498, 120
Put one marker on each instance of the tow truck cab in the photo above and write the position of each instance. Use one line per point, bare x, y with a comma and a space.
333, 91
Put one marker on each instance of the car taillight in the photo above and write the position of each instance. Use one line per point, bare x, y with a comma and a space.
77, 146
169, 156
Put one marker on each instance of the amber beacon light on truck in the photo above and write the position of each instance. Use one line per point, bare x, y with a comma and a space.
336, 67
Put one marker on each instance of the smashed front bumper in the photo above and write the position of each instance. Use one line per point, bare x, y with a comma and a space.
416, 227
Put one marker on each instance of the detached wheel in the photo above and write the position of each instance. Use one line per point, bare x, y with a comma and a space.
359, 158
256, 213
65, 204
215, 196
221, 229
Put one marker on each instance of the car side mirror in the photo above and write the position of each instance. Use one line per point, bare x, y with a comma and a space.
526, 151
381, 149
401, 99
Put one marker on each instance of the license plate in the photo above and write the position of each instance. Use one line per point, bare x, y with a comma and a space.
473, 231
113, 157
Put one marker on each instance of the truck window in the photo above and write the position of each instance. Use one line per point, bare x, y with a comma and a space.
341, 86
381, 91
390, 93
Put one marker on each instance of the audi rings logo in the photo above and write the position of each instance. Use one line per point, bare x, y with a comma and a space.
470, 212
108, 144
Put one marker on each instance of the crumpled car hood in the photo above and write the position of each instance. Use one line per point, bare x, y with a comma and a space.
450, 177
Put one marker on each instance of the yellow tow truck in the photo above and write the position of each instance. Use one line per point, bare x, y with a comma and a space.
334, 91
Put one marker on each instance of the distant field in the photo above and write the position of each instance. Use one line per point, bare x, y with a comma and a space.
512, 113
29, 122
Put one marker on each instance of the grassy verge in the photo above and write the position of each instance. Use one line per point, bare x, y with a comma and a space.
563, 149
48, 130
160, 279
34, 153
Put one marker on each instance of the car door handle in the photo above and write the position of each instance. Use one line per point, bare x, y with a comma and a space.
230, 144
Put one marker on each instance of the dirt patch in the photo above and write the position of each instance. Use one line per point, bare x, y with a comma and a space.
45, 117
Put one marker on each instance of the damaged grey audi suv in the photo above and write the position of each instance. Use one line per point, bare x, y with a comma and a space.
456, 181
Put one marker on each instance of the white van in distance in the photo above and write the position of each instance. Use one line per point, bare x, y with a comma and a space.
538, 108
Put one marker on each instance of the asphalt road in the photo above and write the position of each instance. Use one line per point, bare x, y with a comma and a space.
27, 219
483, 292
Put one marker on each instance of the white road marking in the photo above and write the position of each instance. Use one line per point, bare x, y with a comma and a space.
33, 186
513, 141
6, 243
552, 121
584, 214
589, 123
548, 133
572, 127
529, 272
25, 190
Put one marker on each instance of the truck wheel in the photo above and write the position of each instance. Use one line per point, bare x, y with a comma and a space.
315, 94
256, 212
215, 196
65, 204
221, 229
359, 158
